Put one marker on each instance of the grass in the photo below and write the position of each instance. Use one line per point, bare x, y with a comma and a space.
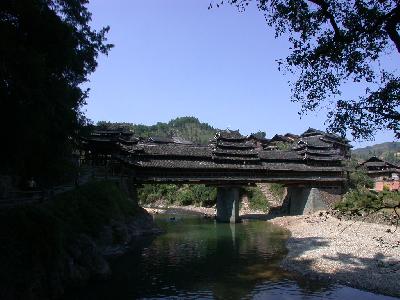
257, 200
277, 190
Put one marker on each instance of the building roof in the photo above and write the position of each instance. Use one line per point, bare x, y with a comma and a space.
180, 140
374, 163
292, 136
160, 140
281, 138
258, 139
229, 135
326, 135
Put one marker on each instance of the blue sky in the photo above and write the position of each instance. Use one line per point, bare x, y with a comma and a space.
177, 58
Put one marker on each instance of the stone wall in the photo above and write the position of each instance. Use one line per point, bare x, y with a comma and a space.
393, 185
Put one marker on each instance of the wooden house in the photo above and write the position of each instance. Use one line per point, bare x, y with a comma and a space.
383, 173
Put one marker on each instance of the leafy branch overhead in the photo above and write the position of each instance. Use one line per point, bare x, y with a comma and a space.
336, 42
48, 51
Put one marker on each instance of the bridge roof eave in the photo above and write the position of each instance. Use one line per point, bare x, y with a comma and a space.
248, 167
242, 181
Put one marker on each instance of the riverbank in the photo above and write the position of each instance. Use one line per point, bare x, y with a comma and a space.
209, 212
48, 247
353, 253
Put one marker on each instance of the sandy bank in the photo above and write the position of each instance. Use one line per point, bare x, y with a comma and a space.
358, 254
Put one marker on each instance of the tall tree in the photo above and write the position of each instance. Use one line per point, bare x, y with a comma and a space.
48, 50
336, 42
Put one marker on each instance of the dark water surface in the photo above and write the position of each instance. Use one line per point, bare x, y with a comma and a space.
199, 259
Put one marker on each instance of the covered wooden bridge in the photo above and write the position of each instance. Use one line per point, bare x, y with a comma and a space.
314, 161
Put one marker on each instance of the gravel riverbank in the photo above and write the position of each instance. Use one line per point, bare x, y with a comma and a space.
354, 253
191, 209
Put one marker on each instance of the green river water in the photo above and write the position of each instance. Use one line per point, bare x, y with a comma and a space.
197, 258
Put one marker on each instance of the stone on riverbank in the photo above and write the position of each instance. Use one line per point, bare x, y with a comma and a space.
354, 253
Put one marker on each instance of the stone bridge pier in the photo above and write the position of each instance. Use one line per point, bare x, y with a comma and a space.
228, 198
302, 200
299, 200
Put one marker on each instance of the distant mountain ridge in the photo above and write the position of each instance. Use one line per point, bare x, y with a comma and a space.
389, 151
189, 128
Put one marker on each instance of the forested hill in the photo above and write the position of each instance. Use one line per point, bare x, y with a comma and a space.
389, 151
189, 128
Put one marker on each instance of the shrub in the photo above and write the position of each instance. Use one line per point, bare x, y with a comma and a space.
204, 195
257, 199
277, 190
197, 194
356, 201
358, 179
150, 193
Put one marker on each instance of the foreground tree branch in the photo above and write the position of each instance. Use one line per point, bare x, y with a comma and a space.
348, 51
325, 9
391, 27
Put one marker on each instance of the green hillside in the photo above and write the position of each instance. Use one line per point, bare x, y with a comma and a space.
189, 128
389, 151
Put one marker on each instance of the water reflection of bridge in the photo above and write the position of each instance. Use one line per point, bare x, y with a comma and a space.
311, 167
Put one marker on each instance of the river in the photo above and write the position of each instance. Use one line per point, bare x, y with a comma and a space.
197, 258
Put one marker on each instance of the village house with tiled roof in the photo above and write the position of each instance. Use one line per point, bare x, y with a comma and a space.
383, 173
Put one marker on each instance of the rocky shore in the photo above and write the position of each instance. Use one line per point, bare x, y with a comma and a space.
354, 253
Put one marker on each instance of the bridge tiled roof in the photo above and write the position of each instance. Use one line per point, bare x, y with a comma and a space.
230, 135
234, 145
313, 142
279, 155
199, 164
173, 149
235, 152
319, 152
207, 153
236, 159
311, 159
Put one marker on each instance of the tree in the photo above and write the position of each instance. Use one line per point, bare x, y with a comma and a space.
335, 42
358, 176
48, 50
259, 134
